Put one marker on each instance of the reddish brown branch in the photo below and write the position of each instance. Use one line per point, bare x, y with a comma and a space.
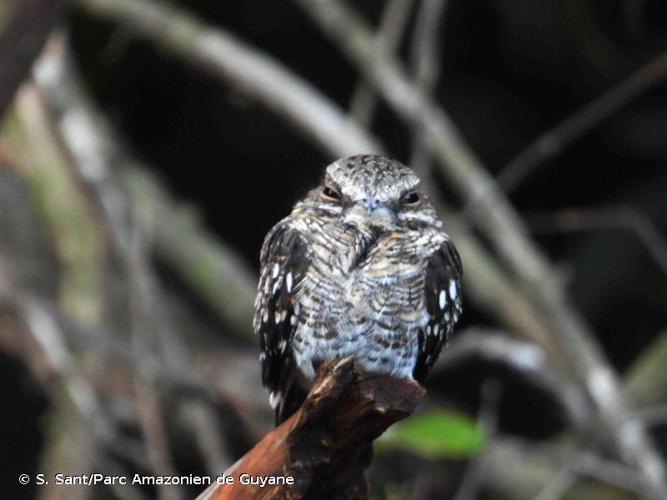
324, 448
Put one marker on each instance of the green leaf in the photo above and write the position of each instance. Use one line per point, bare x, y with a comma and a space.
435, 434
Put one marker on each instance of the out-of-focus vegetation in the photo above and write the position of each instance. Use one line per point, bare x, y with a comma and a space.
435, 434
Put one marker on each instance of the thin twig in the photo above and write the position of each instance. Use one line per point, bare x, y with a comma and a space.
559, 484
146, 322
216, 272
523, 357
42, 342
392, 25
209, 440
591, 219
645, 381
540, 464
582, 463
109, 348
253, 73
138, 208
488, 421
117, 216
554, 141
425, 55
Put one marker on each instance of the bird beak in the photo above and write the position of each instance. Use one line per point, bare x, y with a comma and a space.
370, 213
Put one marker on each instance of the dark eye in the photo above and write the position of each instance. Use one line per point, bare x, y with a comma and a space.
411, 198
330, 193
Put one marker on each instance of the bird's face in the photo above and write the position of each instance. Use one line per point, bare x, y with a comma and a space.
371, 193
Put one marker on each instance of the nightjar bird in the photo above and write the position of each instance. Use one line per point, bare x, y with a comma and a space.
362, 268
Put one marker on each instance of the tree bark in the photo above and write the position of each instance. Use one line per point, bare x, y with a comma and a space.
323, 449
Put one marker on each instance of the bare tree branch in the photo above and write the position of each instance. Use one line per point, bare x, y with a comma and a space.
215, 271
522, 357
425, 54
646, 379
150, 329
28, 327
487, 419
590, 219
250, 71
131, 239
554, 141
388, 38
540, 463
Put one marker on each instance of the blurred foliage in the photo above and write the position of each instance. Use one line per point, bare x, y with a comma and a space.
439, 433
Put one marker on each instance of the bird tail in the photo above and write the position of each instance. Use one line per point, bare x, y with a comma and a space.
291, 398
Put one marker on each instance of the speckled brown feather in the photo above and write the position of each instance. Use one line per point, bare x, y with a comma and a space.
362, 268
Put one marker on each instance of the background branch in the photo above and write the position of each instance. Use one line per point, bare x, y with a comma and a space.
24, 27
213, 270
554, 141
590, 219
392, 26
247, 69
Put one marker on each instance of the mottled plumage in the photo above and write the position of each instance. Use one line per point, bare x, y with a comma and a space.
361, 267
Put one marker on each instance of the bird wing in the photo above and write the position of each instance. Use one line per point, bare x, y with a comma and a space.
284, 261
442, 293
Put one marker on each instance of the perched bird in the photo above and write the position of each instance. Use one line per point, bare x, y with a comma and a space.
362, 268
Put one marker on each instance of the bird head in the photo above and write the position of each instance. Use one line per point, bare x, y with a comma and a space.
371, 193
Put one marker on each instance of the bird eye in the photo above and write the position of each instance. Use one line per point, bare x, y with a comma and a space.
411, 198
330, 193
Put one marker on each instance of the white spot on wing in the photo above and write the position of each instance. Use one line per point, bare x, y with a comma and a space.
442, 299
276, 269
452, 289
274, 399
288, 282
